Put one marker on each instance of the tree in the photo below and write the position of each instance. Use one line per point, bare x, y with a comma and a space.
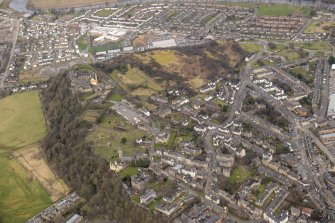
291, 45
74, 160
272, 46
331, 60
316, 215
123, 140
312, 13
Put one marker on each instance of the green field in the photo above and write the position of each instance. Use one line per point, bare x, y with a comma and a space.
129, 171
20, 196
105, 47
281, 10
320, 27
278, 47
290, 54
115, 97
319, 45
21, 124
302, 74
240, 175
21, 120
82, 42
137, 81
250, 47
104, 12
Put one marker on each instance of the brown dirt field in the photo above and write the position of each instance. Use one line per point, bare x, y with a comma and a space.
140, 40
31, 159
32, 76
59, 4
143, 92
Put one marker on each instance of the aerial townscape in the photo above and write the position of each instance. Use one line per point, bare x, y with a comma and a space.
115, 111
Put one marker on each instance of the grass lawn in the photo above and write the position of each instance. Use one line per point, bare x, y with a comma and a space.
84, 68
289, 54
319, 45
170, 15
278, 47
161, 187
136, 198
320, 27
240, 175
108, 135
105, 47
250, 47
165, 57
21, 120
302, 74
20, 196
82, 42
135, 78
104, 12
115, 97
281, 10
155, 202
129, 171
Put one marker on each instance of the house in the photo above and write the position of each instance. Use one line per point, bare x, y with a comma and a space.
148, 196
163, 137
75, 218
170, 197
307, 211
163, 112
272, 218
137, 184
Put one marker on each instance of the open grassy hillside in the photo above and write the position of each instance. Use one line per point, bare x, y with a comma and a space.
21, 120
196, 65
20, 196
21, 124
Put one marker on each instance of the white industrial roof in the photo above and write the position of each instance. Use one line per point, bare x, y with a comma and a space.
331, 105
164, 43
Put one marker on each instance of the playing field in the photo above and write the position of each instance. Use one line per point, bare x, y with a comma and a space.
21, 124
20, 196
21, 120
58, 4
250, 47
281, 10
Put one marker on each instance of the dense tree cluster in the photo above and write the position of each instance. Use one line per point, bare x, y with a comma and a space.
274, 117
75, 162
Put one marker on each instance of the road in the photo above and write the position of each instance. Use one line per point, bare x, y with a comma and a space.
244, 80
15, 34
236, 107
325, 91
319, 144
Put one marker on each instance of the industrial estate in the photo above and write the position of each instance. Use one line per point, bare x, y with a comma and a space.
167, 111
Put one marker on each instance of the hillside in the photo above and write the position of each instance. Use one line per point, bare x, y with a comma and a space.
73, 159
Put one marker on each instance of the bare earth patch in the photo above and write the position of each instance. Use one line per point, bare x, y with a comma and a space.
31, 159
